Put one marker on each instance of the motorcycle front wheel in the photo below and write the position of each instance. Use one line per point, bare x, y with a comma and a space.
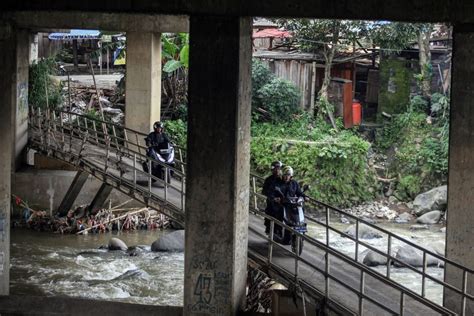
294, 244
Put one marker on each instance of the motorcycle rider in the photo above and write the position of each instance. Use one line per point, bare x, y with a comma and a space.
155, 142
269, 185
157, 137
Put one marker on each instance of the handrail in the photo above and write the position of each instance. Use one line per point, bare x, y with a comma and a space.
112, 152
363, 268
388, 254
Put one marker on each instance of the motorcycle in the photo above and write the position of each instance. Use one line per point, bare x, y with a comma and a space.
293, 216
164, 153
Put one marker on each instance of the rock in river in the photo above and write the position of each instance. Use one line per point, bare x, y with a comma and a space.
170, 242
365, 232
117, 244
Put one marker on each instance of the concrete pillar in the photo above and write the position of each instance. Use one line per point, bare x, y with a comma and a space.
34, 48
143, 84
20, 118
460, 219
217, 187
72, 193
100, 197
7, 103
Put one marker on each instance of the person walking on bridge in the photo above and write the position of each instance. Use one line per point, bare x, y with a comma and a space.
271, 182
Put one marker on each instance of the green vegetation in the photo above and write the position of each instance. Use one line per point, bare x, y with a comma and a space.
333, 164
420, 146
273, 99
41, 84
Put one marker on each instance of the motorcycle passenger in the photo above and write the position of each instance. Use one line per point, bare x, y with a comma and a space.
288, 186
269, 185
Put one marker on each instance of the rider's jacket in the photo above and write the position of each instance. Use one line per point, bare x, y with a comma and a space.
271, 182
156, 139
290, 189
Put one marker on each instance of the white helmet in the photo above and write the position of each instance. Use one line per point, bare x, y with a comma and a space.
287, 170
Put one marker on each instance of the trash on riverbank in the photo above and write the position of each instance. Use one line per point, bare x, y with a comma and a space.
80, 221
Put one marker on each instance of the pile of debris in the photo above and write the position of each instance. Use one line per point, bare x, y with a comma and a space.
378, 210
80, 221
81, 98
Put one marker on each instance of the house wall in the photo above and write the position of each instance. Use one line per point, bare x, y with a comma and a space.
301, 74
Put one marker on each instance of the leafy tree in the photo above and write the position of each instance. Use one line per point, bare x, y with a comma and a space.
175, 60
327, 37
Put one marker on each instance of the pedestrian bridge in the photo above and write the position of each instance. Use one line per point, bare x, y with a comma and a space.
332, 278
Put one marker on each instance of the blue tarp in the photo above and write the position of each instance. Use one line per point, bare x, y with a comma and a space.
75, 34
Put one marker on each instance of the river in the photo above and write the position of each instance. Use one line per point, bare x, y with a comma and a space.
50, 264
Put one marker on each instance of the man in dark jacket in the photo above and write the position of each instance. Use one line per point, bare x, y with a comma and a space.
157, 137
271, 182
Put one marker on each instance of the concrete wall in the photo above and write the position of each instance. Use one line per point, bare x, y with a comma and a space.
46, 188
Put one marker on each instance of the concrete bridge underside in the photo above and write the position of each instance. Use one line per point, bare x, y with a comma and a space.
219, 99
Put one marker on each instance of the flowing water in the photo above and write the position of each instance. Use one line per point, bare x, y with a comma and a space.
49, 264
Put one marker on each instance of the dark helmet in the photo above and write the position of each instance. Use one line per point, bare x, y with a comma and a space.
276, 164
157, 124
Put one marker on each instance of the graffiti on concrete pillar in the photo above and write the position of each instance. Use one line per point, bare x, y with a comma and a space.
211, 288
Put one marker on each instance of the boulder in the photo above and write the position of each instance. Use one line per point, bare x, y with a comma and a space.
373, 259
429, 218
435, 199
365, 232
117, 244
173, 241
414, 257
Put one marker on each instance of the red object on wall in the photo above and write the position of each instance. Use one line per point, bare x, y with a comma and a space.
356, 112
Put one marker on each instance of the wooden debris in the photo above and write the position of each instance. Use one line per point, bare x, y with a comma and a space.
78, 221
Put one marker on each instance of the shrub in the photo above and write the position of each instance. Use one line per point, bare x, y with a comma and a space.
40, 79
261, 75
280, 98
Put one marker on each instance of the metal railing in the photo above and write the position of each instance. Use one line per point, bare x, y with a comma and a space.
112, 153
328, 212
115, 155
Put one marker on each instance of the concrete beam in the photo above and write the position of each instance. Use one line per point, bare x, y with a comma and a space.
72, 193
460, 219
217, 186
7, 106
62, 305
128, 22
459, 11
100, 197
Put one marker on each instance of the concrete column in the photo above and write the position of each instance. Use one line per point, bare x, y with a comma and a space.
217, 187
20, 115
72, 193
100, 197
143, 84
7, 103
460, 219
